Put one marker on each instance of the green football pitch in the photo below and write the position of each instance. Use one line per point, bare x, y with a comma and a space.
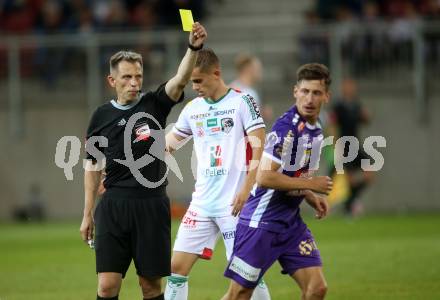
375, 257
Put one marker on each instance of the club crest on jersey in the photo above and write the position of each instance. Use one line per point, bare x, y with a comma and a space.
227, 124
142, 132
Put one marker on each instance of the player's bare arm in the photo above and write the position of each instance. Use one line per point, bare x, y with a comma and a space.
269, 177
256, 139
174, 142
92, 180
175, 85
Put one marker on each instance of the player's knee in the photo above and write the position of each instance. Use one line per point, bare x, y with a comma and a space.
177, 267
316, 291
108, 289
150, 287
237, 292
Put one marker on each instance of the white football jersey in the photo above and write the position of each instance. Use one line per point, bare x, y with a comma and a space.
219, 130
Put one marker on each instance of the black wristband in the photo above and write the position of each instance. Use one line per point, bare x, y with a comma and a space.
195, 48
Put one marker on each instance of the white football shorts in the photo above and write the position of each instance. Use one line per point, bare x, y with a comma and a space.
199, 234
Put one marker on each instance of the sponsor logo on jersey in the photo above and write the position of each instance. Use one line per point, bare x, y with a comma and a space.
189, 222
215, 156
199, 116
200, 132
253, 107
212, 108
214, 131
227, 124
211, 122
122, 122
228, 235
244, 269
142, 132
199, 124
216, 172
288, 142
295, 119
224, 112
215, 163
301, 126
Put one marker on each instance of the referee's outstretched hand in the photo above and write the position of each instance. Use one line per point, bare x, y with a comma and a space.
198, 35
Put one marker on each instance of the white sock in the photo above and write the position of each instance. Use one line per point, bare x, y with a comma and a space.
177, 287
261, 291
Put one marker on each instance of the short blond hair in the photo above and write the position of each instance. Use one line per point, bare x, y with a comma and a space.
206, 59
243, 60
129, 56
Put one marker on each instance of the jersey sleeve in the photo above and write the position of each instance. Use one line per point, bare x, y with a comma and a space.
250, 114
182, 126
93, 130
164, 102
279, 139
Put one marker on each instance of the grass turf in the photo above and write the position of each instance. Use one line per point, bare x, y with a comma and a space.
376, 257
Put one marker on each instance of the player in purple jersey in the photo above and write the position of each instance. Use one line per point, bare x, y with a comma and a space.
270, 227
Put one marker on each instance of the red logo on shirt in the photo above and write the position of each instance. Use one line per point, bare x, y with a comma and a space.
142, 133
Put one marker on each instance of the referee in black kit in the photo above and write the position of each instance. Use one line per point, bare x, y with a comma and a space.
132, 220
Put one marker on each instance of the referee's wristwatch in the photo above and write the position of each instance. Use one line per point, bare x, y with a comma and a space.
195, 48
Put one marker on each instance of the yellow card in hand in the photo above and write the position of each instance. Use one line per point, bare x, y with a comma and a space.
187, 19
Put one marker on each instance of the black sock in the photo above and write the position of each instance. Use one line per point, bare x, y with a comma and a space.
112, 298
160, 297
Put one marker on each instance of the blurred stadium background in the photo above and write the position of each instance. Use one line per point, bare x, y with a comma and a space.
53, 63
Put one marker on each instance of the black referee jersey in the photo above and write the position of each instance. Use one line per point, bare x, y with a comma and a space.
110, 121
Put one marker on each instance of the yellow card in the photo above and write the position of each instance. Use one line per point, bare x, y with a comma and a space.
187, 19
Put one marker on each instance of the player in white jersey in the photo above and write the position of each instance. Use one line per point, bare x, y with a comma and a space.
223, 123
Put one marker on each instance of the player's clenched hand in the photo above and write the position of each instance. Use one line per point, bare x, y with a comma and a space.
86, 228
239, 201
321, 184
198, 35
319, 203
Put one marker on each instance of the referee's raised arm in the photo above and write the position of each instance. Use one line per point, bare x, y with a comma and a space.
175, 85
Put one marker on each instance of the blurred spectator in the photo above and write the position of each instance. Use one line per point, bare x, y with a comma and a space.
167, 10
346, 116
313, 43
144, 16
49, 60
24, 16
18, 17
249, 72
370, 49
34, 208
113, 16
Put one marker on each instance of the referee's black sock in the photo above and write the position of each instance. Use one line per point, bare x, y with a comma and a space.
160, 297
112, 298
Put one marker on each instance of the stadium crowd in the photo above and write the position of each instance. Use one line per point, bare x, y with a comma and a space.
39, 16
372, 31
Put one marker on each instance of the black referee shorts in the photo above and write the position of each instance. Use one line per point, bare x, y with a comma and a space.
133, 225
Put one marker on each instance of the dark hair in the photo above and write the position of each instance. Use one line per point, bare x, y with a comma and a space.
206, 59
314, 71
129, 56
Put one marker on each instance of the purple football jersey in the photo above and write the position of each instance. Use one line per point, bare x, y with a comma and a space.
295, 145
